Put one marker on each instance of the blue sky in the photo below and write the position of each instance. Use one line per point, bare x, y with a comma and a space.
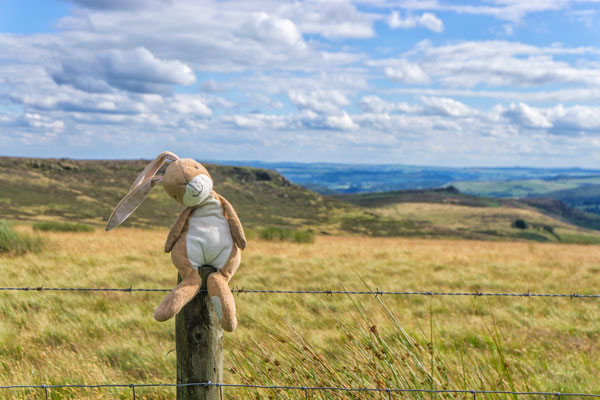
490, 83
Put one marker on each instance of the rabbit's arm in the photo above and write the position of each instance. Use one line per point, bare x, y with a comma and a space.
177, 228
237, 232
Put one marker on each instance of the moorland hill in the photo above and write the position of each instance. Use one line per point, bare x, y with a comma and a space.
34, 189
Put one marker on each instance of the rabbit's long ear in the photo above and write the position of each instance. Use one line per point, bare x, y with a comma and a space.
131, 201
139, 190
153, 167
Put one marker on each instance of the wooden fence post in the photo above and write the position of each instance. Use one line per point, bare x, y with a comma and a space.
199, 346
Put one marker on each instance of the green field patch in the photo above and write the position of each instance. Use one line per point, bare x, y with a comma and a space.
55, 226
16, 243
580, 238
285, 234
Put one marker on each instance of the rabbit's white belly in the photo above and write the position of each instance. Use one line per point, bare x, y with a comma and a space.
208, 240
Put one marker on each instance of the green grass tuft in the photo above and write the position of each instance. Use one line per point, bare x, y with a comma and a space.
12, 242
286, 234
304, 237
62, 227
580, 239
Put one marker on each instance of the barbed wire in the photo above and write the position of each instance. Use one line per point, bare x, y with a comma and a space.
326, 292
80, 289
305, 389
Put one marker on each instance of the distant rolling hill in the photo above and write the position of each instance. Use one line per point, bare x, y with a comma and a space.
582, 193
483, 217
585, 197
576, 187
365, 178
521, 188
447, 195
87, 190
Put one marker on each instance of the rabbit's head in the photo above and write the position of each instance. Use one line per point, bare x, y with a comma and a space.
186, 181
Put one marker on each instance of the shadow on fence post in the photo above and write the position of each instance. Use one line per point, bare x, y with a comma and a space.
199, 345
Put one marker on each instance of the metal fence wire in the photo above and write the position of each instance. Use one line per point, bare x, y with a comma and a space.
306, 390
376, 292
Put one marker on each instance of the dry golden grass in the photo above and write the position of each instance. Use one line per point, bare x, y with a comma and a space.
548, 344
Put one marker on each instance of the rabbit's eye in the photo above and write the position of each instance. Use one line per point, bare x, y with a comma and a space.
196, 167
175, 197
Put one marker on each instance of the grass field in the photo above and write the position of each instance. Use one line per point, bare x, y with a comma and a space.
359, 341
525, 187
491, 223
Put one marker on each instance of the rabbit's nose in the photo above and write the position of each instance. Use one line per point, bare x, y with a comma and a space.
195, 187
197, 190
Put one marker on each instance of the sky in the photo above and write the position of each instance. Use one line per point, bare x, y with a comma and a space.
431, 82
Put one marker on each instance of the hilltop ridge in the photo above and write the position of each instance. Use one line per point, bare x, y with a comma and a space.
36, 189
87, 191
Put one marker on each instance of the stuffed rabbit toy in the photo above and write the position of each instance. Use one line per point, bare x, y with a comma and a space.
207, 232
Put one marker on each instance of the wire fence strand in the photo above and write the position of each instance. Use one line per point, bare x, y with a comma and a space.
239, 291
304, 389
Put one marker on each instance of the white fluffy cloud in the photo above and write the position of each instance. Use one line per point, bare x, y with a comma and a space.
407, 72
527, 116
558, 120
493, 64
321, 109
576, 119
187, 104
206, 36
425, 20
446, 106
331, 19
265, 28
141, 64
376, 105
137, 70
256, 121
318, 101
306, 119
343, 122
